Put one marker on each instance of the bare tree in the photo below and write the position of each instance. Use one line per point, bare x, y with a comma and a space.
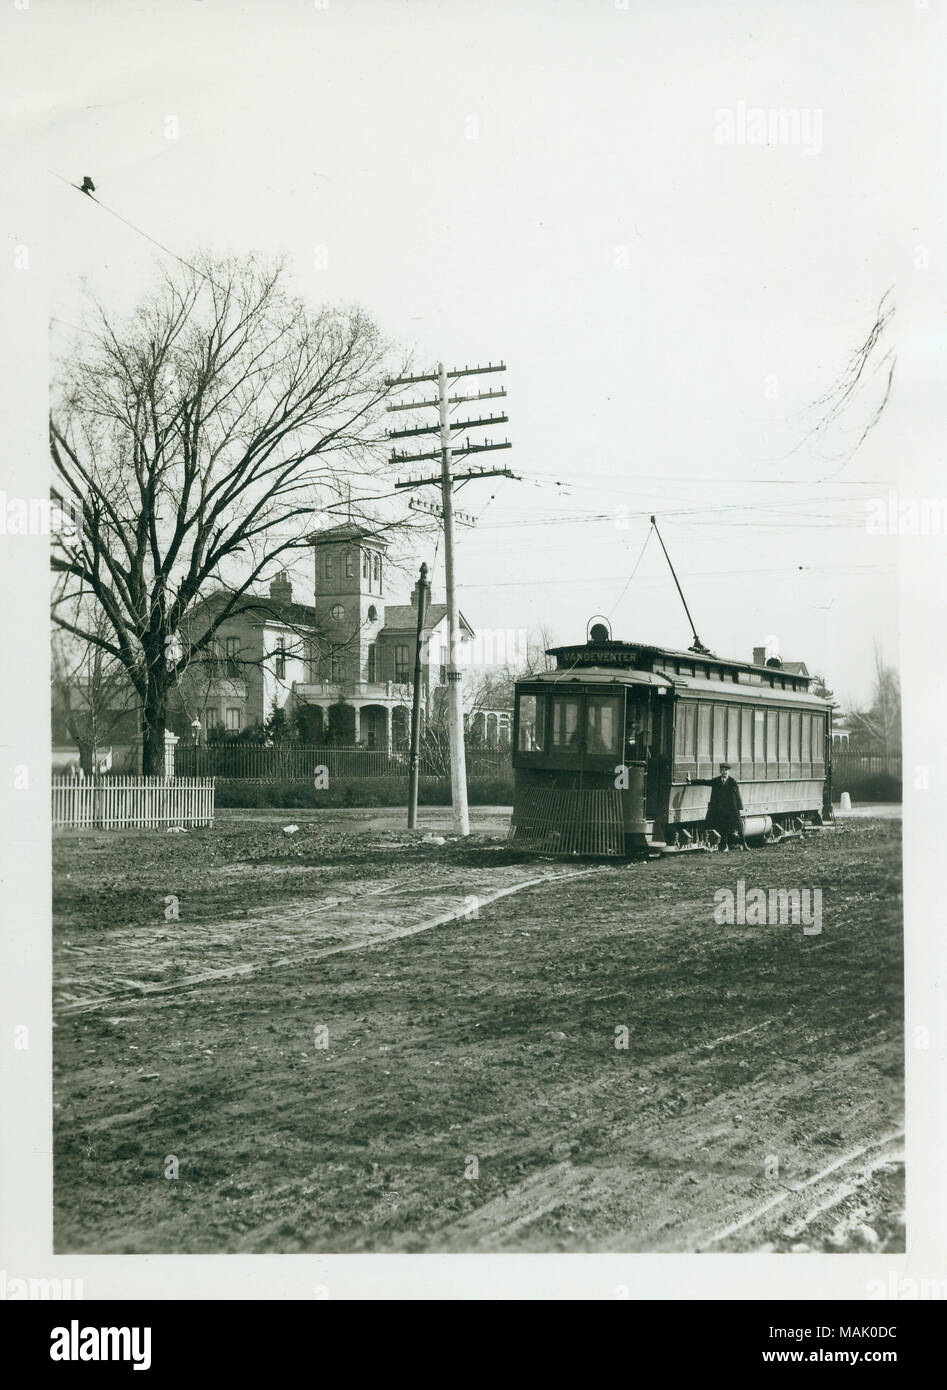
198, 436
879, 726
490, 690
92, 695
875, 357
537, 646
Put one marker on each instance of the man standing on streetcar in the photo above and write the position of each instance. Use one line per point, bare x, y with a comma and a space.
724, 810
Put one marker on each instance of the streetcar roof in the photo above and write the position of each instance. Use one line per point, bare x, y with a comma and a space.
630, 651
679, 666
719, 689
597, 675
749, 694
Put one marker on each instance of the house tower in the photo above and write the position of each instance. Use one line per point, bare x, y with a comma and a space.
350, 605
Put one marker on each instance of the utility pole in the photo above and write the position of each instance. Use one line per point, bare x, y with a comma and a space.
416, 706
455, 696
446, 480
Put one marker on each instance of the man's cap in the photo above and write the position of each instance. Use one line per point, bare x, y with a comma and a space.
724, 765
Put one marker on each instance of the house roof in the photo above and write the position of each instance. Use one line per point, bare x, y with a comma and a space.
292, 614
403, 617
346, 531
264, 607
399, 617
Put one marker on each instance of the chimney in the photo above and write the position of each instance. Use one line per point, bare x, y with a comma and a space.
416, 593
281, 590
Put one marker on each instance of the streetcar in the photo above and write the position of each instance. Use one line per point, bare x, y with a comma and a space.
603, 747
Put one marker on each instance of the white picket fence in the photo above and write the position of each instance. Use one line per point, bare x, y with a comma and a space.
113, 803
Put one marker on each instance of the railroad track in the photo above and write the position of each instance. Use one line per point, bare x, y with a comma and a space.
353, 916
803, 1203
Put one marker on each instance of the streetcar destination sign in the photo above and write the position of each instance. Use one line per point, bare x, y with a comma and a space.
597, 656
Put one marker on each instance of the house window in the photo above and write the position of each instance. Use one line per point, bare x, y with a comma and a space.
337, 612
233, 720
280, 658
211, 717
233, 655
350, 564
372, 613
335, 667
366, 565
329, 565
377, 564
402, 667
370, 664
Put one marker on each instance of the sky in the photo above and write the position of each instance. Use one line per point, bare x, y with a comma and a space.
570, 187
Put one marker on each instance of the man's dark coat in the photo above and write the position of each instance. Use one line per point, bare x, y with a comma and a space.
725, 805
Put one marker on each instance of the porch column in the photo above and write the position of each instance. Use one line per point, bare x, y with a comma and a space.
357, 710
388, 730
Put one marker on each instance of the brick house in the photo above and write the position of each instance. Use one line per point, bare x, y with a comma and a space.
364, 648
256, 656
345, 660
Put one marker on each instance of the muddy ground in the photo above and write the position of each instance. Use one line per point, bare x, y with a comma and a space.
350, 1040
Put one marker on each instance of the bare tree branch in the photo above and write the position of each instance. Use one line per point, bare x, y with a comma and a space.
200, 436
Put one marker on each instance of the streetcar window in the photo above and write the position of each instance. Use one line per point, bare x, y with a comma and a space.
733, 733
686, 728
603, 714
746, 735
818, 738
795, 736
703, 731
771, 736
807, 738
532, 723
565, 721
720, 734
759, 736
784, 736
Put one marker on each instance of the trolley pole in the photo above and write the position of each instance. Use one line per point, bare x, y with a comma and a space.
416, 706
445, 480
455, 699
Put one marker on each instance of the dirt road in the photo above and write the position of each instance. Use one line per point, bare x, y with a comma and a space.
349, 1040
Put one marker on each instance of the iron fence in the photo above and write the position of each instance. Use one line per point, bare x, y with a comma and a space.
851, 761
297, 762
